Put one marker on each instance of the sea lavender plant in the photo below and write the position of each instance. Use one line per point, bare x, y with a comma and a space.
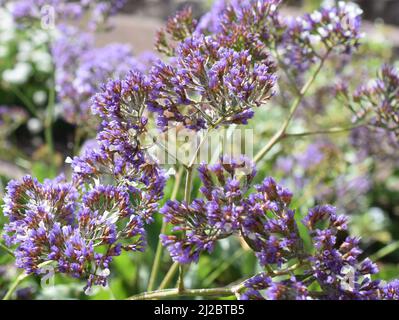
69, 223
263, 218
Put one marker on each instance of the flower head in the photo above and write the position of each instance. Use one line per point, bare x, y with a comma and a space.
311, 36
217, 216
207, 85
49, 223
380, 100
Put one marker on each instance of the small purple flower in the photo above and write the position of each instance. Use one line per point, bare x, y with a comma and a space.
380, 100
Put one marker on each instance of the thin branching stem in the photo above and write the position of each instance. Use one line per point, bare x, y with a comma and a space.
387, 250
25, 100
6, 249
158, 253
173, 293
21, 278
279, 135
231, 290
48, 125
169, 276
317, 132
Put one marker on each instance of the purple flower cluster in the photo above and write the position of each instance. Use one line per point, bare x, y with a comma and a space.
121, 105
301, 41
308, 38
220, 67
227, 209
120, 154
261, 287
269, 227
115, 190
391, 290
380, 100
52, 221
204, 221
377, 143
254, 25
334, 268
143, 179
178, 28
207, 85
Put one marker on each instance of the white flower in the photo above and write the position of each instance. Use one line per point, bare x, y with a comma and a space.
323, 32
34, 125
7, 36
42, 60
19, 74
25, 49
39, 97
40, 37
3, 51
316, 16
314, 39
351, 9
6, 21
68, 160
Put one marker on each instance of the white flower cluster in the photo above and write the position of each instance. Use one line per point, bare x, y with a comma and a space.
22, 51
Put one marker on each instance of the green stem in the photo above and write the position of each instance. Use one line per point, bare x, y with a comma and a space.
14, 285
173, 293
6, 249
48, 126
281, 132
385, 251
187, 196
25, 100
19, 279
211, 277
327, 131
232, 290
158, 253
169, 276
180, 280
187, 187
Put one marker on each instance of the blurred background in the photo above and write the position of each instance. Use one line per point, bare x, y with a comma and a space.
149, 15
